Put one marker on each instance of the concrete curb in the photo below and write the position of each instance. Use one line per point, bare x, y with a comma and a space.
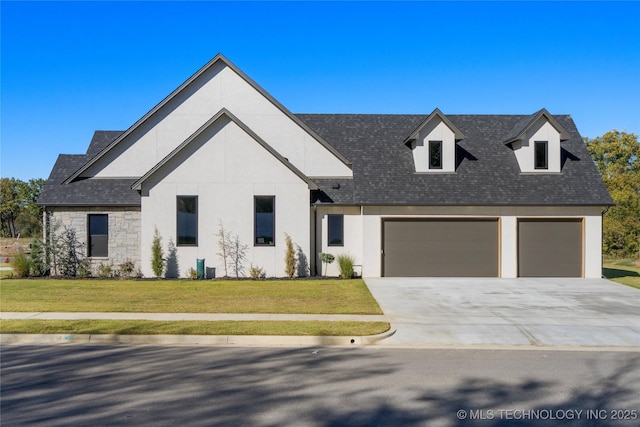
205, 340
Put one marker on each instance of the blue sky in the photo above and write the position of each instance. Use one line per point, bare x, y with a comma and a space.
69, 68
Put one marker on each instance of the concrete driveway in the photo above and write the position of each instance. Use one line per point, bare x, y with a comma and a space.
527, 312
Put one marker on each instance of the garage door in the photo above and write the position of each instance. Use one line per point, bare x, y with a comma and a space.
440, 248
550, 248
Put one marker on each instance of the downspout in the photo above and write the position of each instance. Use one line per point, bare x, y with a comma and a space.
44, 223
315, 238
606, 209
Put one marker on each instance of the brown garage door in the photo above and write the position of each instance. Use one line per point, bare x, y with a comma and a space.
440, 248
550, 248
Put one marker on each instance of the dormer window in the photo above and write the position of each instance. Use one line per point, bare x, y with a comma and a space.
435, 154
433, 144
535, 141
541, 154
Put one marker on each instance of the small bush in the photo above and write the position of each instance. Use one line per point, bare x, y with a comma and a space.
84, 269
192, 273
127, 268
105, 270
256, 272
21, 265
346, 262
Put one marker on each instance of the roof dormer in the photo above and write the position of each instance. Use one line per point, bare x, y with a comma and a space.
433, 144
535, 140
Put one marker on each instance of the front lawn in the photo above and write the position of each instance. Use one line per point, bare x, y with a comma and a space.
182, 296
622, 272
149, 327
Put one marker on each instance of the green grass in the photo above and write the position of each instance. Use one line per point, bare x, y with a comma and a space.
148, 327
622, 272
176, 296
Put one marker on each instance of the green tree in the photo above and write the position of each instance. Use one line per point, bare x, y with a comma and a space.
9, 206
157, 254
617, 155
29, 220
19, 212
327, 259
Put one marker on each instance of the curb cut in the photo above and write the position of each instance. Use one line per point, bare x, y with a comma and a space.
210, 340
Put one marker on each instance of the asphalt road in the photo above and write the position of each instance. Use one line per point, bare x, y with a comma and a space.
82, 385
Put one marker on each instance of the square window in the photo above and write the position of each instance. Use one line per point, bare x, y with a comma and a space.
335, 230
187, 214
435, 154
264, 220
541, 154
98, 227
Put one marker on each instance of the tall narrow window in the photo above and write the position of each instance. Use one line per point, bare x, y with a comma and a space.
265, 220
435, 154
541, 160
98, 225
187, 210
336, 230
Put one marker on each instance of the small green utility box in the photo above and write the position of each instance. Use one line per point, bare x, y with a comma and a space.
200, 268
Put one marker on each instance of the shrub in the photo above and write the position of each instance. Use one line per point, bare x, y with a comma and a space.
289, 257
21, 265
326, 259
105, 270
256, 272
39, 265
346, 262
127, 268
192, 273
84, 268
157, 261
70, 252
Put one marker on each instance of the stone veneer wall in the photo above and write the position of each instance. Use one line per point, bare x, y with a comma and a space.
124, 231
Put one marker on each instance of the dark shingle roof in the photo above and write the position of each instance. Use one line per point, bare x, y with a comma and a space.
487, 171
101, 139
87, 192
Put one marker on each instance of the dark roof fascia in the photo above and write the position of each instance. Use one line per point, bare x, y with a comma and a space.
217, 58
223, 113
519, 134
89, 205
458, 135
555, 205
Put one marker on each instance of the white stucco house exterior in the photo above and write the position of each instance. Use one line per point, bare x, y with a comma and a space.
405, 195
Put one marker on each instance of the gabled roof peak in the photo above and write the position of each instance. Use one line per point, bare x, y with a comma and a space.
223, 113
216, 59
520, 129
435, 114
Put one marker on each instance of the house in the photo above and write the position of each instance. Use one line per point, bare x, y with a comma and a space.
405, 195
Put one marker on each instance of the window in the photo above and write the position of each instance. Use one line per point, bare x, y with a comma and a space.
435, 154
265, 220
187, 207
336, 230
98, 225
541, 155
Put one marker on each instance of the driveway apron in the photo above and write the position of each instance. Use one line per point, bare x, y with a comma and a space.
527, 312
